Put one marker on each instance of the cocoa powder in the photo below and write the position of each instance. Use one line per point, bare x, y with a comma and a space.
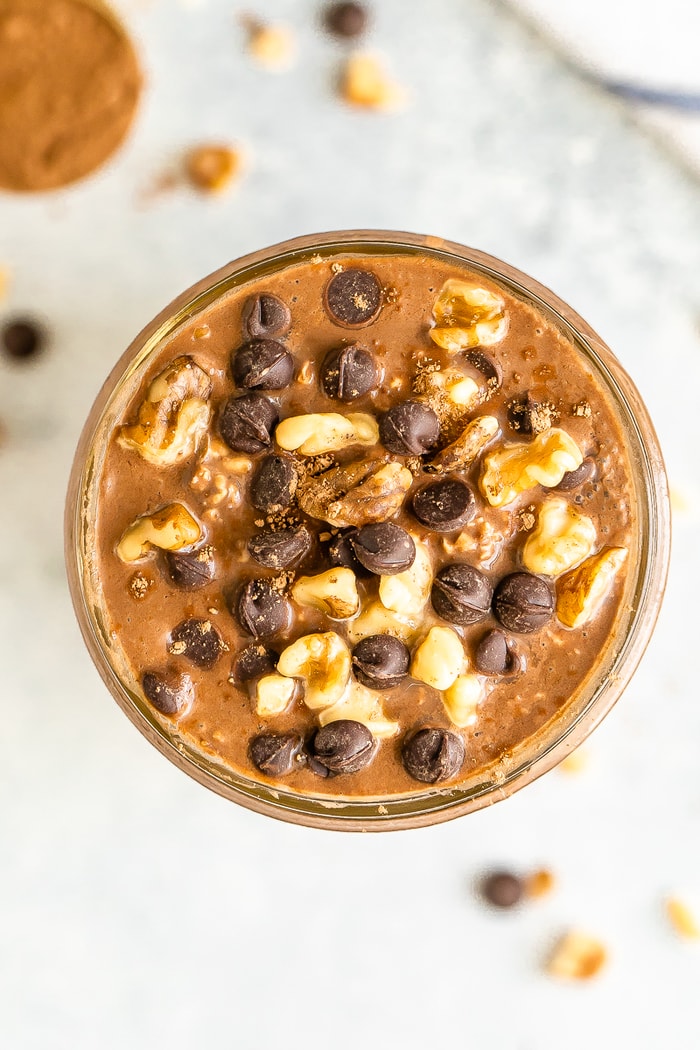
69, 86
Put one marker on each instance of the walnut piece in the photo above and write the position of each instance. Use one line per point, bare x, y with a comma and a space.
563, 538
582, 592
577, 956
473, 439
467, 316
170, 529
377, 498
322, 661
316, 432
361, 704
510, 470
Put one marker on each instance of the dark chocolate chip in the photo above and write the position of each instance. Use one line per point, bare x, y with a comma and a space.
265, 315
341, 552
346, 19
168, 694
275, 753
490, 369
282, 549
409, 429
190, 569
528, 416
262, 609
353, 297
198, 640
523, 603
343, 746
573, 479
380, 661
383, 548
502, 889
461, 594
496, 655
444, 505
262, 365
433, 754
348, 372
273, 484
246, 423
253, 662
22, 338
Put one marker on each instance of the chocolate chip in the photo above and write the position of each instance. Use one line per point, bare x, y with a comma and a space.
502, 889
22, 338
198, 640
523, 603
496, 655
444, 505
190, 569
461, 594
433, 754
273, 484
275, 753
252, 662
265, 315
348, 372
345, 19
490, 369
353, 297
528, 416
282, 549
380, 661
168, 694
343, 746
246, 423
341, 552
573, 479
262, 365
383, 548
409, 429
262, 609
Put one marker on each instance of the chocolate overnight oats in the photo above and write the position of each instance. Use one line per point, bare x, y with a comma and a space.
363, 527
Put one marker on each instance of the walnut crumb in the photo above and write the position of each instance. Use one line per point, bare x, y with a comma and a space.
526, 519
272, 46
582, 409
211, 168
682, 919
577, 956
539, 883
391, 295
336, 267
177, 648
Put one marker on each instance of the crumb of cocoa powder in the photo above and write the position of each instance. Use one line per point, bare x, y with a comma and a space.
391, 295
526, 519
139, 586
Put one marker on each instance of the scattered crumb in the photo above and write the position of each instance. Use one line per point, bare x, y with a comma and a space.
682, 918
576, 762
526, 519
577, 956
366, 83
203, 332
272, 46
139, 586
336, 267
582, 409
391, 295
539, 883
211, 168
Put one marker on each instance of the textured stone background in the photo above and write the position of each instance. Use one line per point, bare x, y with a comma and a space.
138, 910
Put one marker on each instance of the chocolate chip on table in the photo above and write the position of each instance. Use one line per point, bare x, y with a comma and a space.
275, 753
341, 552
530, 417
263, 364
461, 594
346, 19
383, 548
523, 603
444, 505
262, 609
246, 423
169, 695
495, 655
503, 889
409, 429
273, 484
281, 549
433, 754
265, 315
574, 479
190, 569
348, 372
198, 640
22, 338
353, 297
253, 662
489, 368
343, 746
380, 661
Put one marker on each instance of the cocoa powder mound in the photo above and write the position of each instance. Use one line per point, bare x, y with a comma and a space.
69, 86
